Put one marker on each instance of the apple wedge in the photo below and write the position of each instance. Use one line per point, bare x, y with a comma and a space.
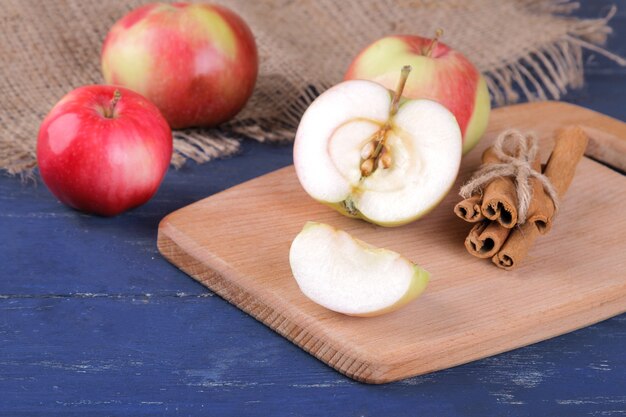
349, 276
365, 152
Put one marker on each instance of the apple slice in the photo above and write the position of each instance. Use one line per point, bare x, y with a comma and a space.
349, 276
368, 154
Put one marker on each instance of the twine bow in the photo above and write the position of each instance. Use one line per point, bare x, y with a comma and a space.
517, 153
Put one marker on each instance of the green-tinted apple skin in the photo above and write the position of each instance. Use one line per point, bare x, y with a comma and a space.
445, 76
417, 287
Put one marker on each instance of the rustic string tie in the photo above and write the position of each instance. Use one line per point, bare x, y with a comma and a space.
517, 153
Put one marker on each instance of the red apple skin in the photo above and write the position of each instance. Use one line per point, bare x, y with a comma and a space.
197, 62
99, 164
446, 76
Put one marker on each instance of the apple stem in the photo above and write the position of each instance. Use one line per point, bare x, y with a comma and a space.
109, 112
433, 43
395, 103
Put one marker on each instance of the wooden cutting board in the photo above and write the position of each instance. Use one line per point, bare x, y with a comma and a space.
237, 243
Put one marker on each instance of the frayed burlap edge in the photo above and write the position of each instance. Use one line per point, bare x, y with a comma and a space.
540, 73
544, 73
547, 73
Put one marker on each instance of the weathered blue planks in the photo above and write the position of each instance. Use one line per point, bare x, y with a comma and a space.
50, 249
138, 355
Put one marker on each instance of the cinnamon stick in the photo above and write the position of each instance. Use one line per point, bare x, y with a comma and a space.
500, 196
541, 208
569, 147
486, 238
469, 209
517, 246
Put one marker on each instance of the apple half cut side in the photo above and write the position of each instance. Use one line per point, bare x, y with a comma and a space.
349, 276
416, 168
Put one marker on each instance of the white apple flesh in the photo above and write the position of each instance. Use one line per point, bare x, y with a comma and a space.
349, 276
422, 141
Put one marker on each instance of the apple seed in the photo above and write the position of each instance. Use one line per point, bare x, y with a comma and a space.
368, 150
367, 167
384, 159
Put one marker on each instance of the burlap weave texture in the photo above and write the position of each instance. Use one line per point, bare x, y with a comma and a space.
528, 47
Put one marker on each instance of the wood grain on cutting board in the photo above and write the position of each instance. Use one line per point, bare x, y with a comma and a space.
237, 244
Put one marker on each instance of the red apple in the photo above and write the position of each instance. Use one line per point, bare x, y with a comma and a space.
103, 149
197, 62
439, 73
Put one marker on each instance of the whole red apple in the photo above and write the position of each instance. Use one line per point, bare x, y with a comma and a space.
103, 149
439, 73
197, 62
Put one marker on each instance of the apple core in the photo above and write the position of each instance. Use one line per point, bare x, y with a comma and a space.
368, 154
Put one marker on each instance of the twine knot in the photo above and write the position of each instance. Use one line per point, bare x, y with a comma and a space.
517, 153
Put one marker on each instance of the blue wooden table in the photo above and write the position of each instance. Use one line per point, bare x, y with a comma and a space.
93, 321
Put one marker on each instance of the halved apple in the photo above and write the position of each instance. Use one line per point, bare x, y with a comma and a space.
365, 152
349, 276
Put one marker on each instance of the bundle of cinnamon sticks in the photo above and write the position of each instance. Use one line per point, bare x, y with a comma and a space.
503, 229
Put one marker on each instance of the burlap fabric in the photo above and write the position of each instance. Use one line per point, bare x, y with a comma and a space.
48, 47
